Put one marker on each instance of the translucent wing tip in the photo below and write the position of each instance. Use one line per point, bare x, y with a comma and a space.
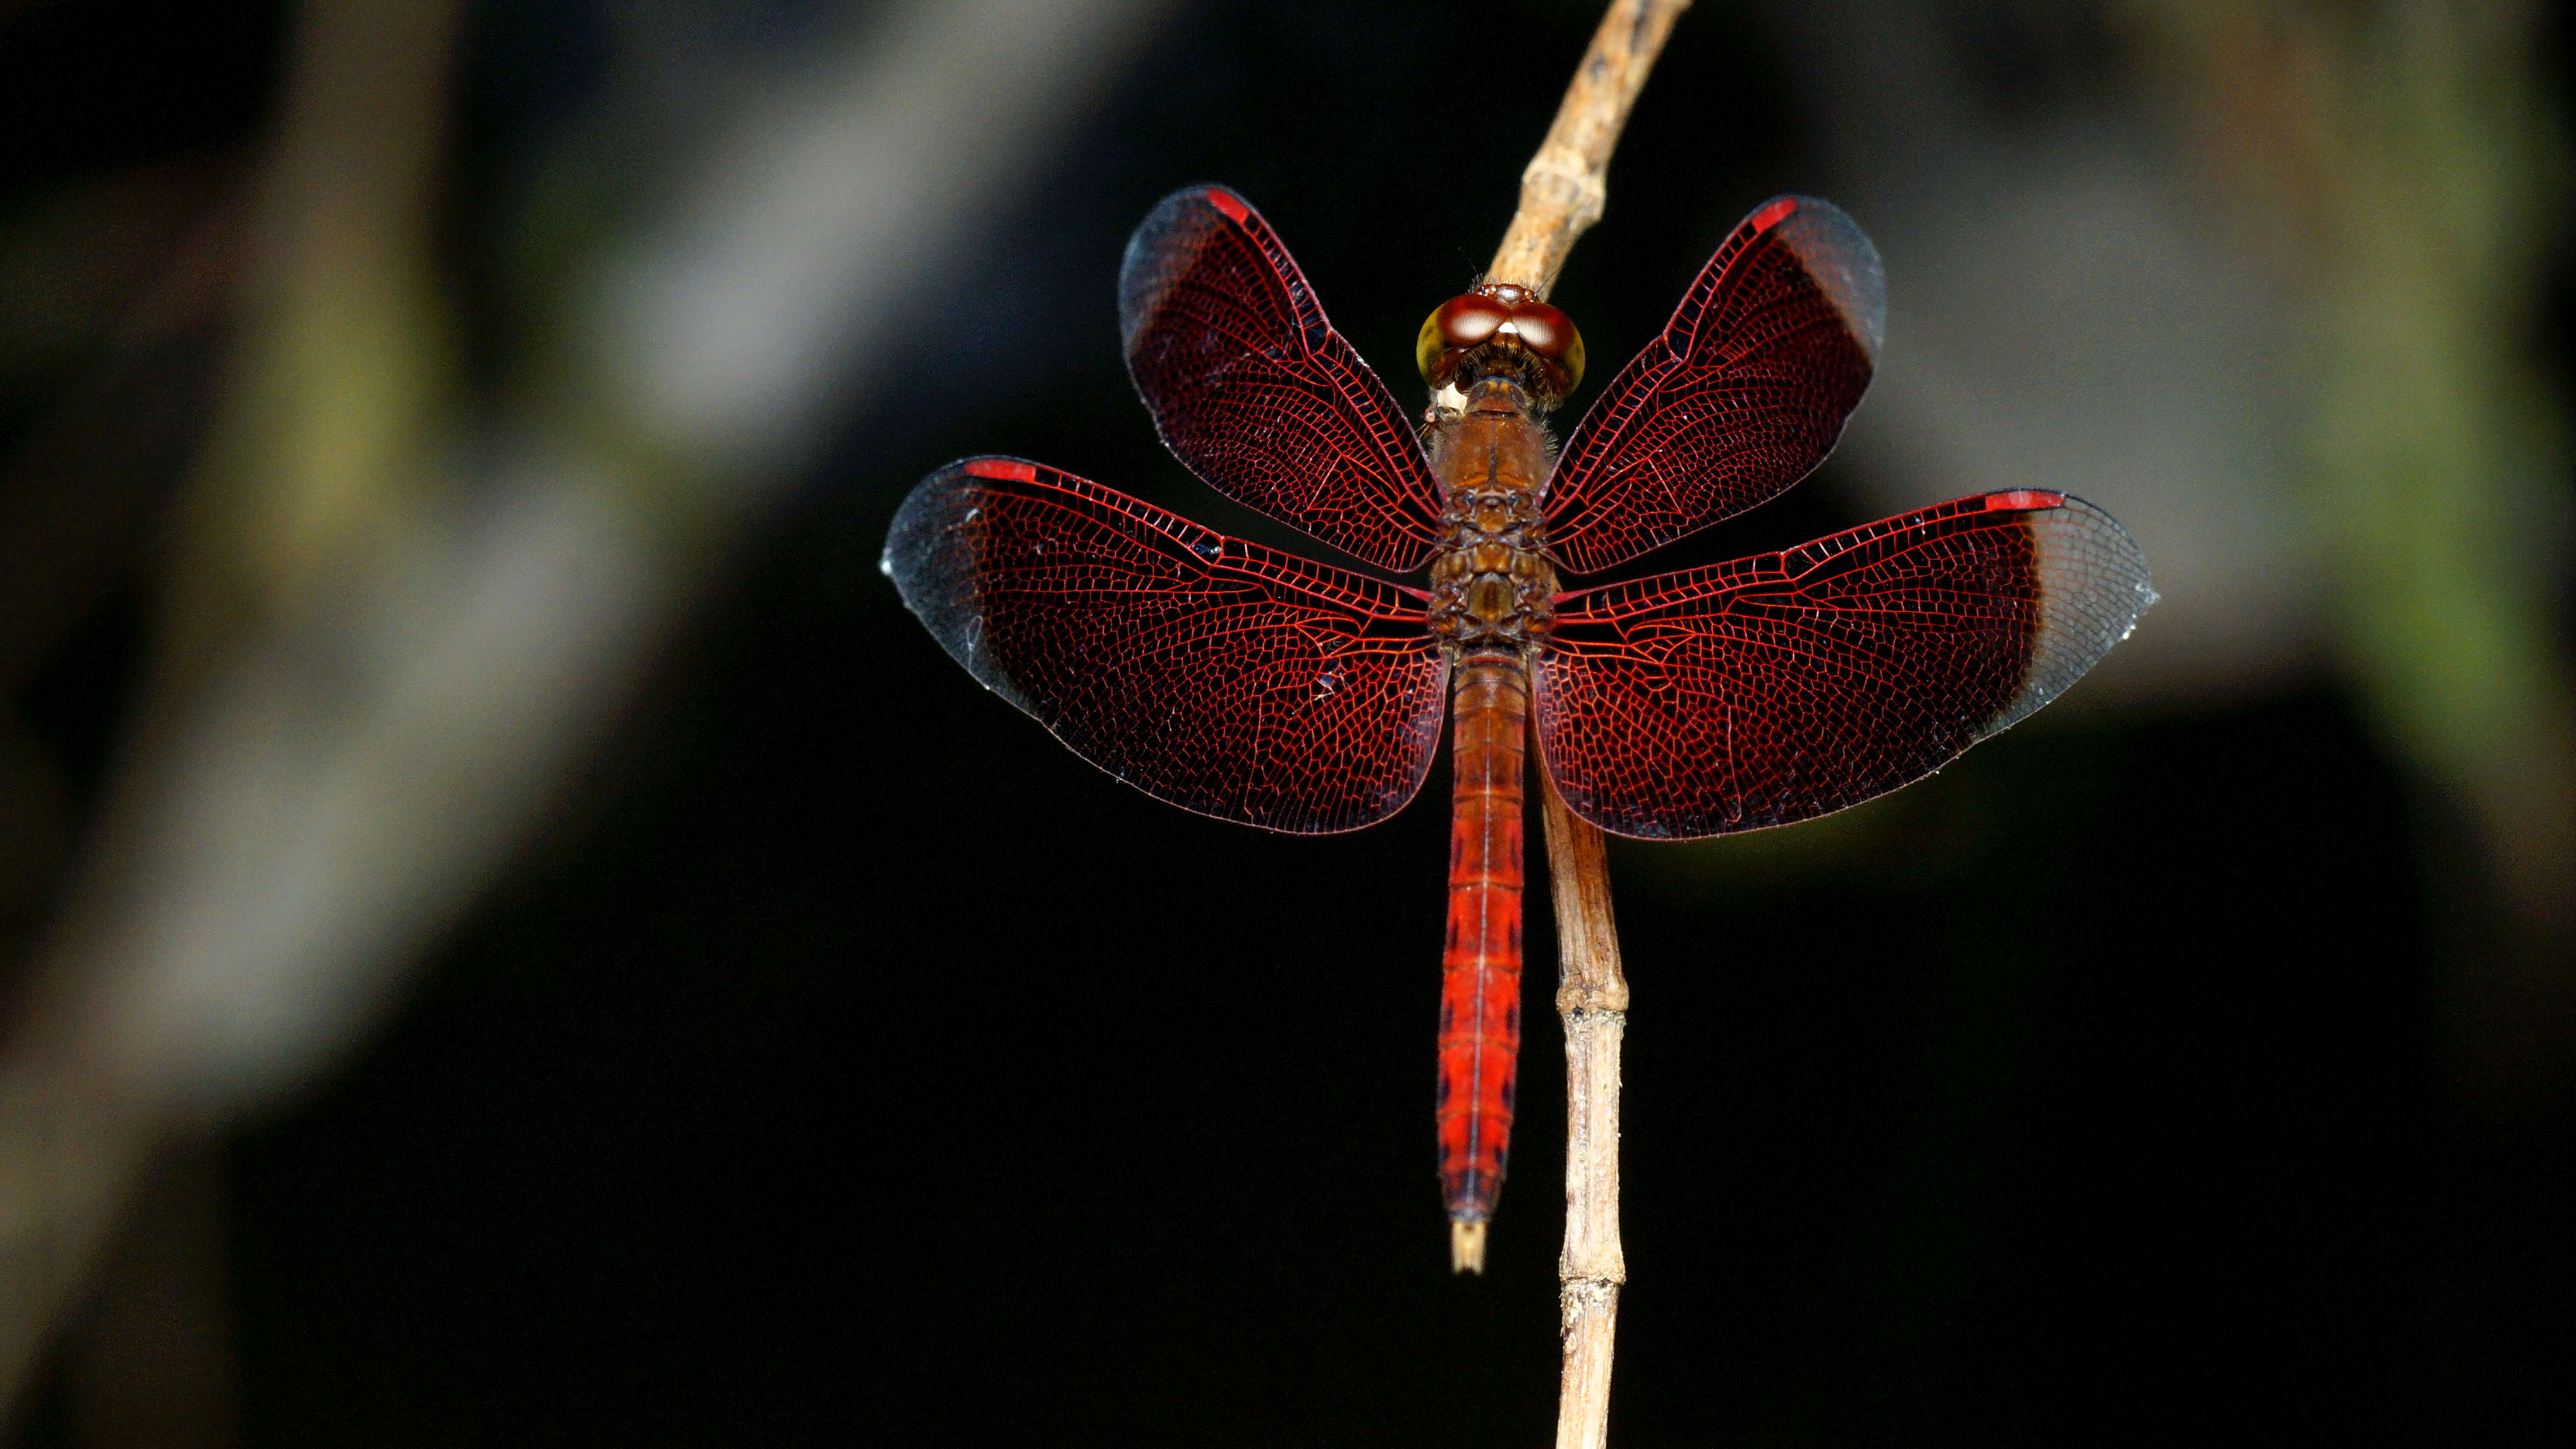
931, 557
2093, 588
1839, 255
1161, 242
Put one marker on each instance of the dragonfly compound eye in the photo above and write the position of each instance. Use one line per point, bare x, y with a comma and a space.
1490, 324
1550, 337
1455, 328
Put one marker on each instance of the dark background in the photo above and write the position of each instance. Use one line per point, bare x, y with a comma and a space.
852, 1062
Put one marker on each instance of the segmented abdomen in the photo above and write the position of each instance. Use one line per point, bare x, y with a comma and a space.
1480, 986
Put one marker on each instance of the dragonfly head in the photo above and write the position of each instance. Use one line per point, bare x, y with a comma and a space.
1500, 330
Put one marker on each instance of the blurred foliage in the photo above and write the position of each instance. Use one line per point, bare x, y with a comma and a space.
2403, 167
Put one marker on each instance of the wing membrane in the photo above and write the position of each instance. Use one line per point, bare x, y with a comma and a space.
1255, 391
1224, 677
1742, 395
1784, 686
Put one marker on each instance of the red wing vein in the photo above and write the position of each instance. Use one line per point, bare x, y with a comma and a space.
1742, 394
1254, 390
1779, 687
1227, 678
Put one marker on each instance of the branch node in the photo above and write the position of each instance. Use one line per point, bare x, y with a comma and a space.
1588, 998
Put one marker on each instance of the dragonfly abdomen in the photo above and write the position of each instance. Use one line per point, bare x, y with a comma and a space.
1480, 983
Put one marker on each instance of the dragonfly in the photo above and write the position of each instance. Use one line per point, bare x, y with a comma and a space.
1254, 685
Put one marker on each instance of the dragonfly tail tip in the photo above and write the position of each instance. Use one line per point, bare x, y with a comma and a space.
1467, 1248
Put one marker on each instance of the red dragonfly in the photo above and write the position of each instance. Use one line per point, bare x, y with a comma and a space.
1253, 685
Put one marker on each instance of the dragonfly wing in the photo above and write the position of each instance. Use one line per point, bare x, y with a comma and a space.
1743, 394
1224, 677
1257, 393
1784, 686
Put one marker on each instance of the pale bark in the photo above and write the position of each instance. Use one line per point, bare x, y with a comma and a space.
1566, 184
1593, 1003
1562, 193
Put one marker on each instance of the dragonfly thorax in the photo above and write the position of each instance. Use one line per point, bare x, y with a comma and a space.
1491, 585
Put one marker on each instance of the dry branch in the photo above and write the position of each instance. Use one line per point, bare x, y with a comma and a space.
1592, 1001
1562, 193
1565, 185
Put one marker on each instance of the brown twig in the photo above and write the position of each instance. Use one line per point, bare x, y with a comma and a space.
1565, 184
1562, 192
1592, 1001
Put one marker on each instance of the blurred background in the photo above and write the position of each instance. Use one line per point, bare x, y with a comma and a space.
510, 934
